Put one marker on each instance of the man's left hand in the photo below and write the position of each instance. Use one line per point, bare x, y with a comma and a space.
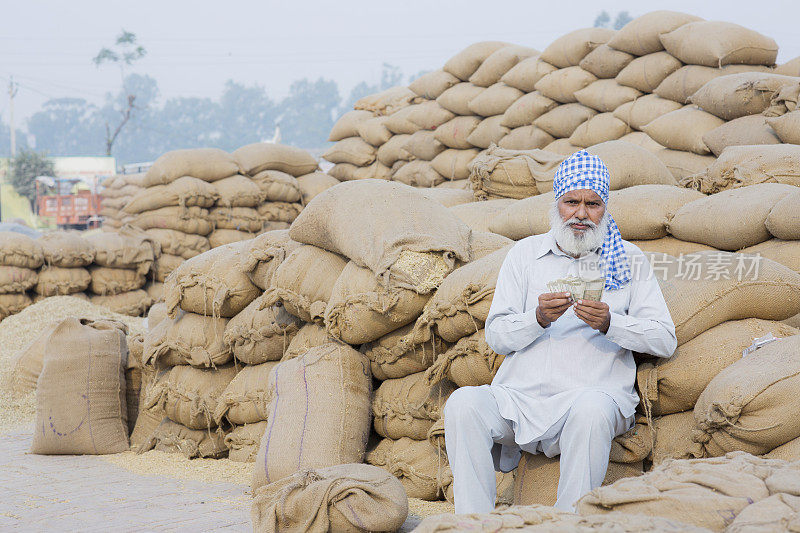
594, 313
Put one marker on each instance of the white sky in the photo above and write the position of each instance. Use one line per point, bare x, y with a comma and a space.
195, 46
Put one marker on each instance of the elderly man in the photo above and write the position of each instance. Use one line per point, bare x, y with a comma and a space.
566, 385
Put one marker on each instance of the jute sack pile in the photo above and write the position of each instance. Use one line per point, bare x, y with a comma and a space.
66, 249
683, 129
470, 362
466, 62
246, 399
750, 404
53, 281
408, 406
184, 192
17, 280
598, 129
744, 131
645, 73
498, 63
80, 400
739, 95
133, 303
188, 338
687, 80
388, 101
260, 332
568, 50
207, 164
605, 62
266, 253
349, 497
402, 353
243, 441
641, 36
309, 336
432, 84
640, 112
421, 468
116, 192
606, 96
321, 399
258, 157
665, 437
171, 437
148, 419
715, 44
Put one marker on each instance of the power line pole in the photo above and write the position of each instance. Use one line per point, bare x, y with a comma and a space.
12, 92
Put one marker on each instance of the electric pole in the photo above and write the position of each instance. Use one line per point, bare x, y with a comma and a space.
12, 92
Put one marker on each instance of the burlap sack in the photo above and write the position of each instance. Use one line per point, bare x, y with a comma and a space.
352, 497
13, 303
374, 131
188, 339
388, 101
642, 211
526, 109
647, 72
320, 414
222, 237
790, 68
714, 44
782, 221
393, 150
673, 438
353, 150
454, 164
17, 279
599, 129
526, 73
490, 131
787, 452
415, 249
346, 125
80, 399
155, 315
399, 123
466, 62
147, 420
213, 283
536, 481
277, 186
786, 253
484, 243
184, 219
740, 95
53, 280
640, 112
243, 442
454, 133
643, 140
746, 165
750, 404
420, 467
260, 332
174, 242
164, 266
183, 192
423, 145
747, 208
495, 100
641, 35
309, 336
128, 247
606, 95
402, 353
471, 362
172, 437
20, 250
682, 164
457, 98
238, 191
683, 129
266, 253
313, 184
245, 219
432, 84
430, 115
674, 385
779, 512
568, 50
258, 157
28, 364
155, 290
448, 197
687, 80
135, 351
454, 184
561, 85
749, 130
408, 406
525, 138
498, 63
190, 396
479, 215
106, 280
133, 386
246, 399
418, 174
131, 303
66, 249
787, 127
207, 164
562, 146
503, 173
279, 211
605, 62
361, 310
561, 121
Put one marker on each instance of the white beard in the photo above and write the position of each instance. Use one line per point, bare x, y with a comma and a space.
583, 242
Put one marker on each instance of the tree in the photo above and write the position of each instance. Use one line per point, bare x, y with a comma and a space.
126, 51
245, 115
308, 112
622, 18
602, 20
24, 170
67, 126
5, 139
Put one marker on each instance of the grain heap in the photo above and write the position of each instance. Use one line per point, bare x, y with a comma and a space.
20, 259
117, 191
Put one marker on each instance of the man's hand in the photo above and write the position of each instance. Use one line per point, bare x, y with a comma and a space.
594, 313
551, 306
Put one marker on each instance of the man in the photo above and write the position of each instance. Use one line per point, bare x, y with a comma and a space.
566, 385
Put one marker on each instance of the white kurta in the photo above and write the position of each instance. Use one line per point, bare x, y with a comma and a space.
547, 369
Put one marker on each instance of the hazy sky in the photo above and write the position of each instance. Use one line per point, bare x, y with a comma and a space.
195, 46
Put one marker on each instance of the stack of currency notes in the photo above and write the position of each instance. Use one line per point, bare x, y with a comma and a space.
579, 289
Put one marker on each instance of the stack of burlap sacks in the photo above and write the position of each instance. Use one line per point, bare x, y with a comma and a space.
117, 191
20, 259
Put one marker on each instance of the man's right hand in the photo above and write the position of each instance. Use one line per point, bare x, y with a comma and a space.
551, 306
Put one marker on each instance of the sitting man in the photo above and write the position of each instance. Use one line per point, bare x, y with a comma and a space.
566, 385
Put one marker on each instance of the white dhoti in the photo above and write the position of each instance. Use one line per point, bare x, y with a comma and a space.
475, 434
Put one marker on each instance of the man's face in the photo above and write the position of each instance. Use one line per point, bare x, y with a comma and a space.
580, 206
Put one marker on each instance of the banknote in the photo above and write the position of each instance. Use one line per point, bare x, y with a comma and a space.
578, 288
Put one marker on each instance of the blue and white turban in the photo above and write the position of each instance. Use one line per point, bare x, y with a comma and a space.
583, 170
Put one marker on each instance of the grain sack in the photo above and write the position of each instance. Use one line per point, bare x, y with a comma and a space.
277, 186
213, 283
313, 184
433, 84
498, 63
683, 129
606, 95
406, 252
687, 80
353, 150
260, 332
471, 362
787, 452
641, 35
402, 353
423, 145
598, 129
745, 165
490, 131
459, 185
133, 384
408, 406
561, 121
568, 50
790, 68
66, 249
466, 62
526, 73
11, 304
238, 191
246, 399
430, 115
525, 138
647, 72
536, 481
484, 243
189, 339
222, 237
643, 140
512, 174
495, 100
258, 157
267, 251
174, 242
749, 130
127, 248
605, 62
131, 303
243, 441
351, 497
304, 282
183, 192
155, 315
361, 310
745, 209
155, 290
714, 43
244, 219
393, 150
526, 109
448, 197
642, 211
479, 215
779, 512
454, 132
147, 420
279, 211
20, 250
527, 217
28, 364
374, 131
750, 405
80, 399
388, 101
106, 280
674, 437
54, 280
420, 467
708, 493
673, 385
190, 395
642, 111
782, 220
682, 164
631, 165
164, 266
184, 219
457, 98
453, 164
346, 126
738, 95
309, 336
172, 437
335, 418
17, 279
561, 85
561, 147
786, 253
207, 164
787, 127
400, 123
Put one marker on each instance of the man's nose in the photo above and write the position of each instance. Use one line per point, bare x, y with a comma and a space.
581, 212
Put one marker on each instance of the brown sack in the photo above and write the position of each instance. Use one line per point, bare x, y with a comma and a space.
183, 192
277, 186
418, 174
258, 157
28, 364
374, 130
779, 512
266, 253
432, 84
188, 339
184, 219
642, 211
454, 132
243, 441
313, 184
127, 248
739, 166
207, 164
353, 150
309, 336
260, 332
787, 452
430, 115
739, 95
561, 85
448, 197
132, 303
787, 127
400, 123
190, 395
643, 140
247, 397
687, 80
525, 138
347, 125
502, 173
172, 437
641, 35
642, 111
479, 215
568, 50
606, 95
456, 99
561, 121
494, 100
471, 362
11, 304
66, 249
408, 406
714, 43
54, 280
749, 130
402, 353
387, 102
394, 150
421, 468
683, 129
81, 407
526, 109
562, 147
466, 62
647, 72
605, 62
165, 265
599, 129
526, 73
238, 191
174, 242
16, 279
114, 280
527, 217
222, 237
682, 164
784, 218
490, 131
20, 250
499, 62
279, 211
454, 164
423, 145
